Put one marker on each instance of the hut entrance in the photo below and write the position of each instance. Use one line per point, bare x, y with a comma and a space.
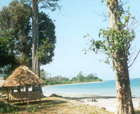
23, 84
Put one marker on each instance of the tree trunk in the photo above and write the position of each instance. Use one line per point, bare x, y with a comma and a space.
124, 100
35, 36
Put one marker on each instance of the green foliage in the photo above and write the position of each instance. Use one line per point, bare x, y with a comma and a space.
78, 79
89, 78
15, 37
42, 74
47, 4
1, 110
31, 109
57, 80
50, 4
8, 109
47, 39
116, 40
102, 1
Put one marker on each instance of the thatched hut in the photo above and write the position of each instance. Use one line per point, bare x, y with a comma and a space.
21, 84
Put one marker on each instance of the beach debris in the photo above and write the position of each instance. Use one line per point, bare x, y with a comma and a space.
54, 95
92, 100
103, 108
87, 100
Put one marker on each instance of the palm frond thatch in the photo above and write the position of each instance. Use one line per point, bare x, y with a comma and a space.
22, 76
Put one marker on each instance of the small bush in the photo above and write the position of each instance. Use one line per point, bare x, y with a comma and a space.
2, 103
8, 109
1, 110
31, 109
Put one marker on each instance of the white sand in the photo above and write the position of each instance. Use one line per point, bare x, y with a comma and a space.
108, 102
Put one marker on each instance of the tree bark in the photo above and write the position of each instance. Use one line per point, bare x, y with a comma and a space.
124, 100
35, 36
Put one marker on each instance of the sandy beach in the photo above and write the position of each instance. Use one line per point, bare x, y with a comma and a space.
110, 103
107, 102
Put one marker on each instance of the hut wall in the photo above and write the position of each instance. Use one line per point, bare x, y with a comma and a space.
25, 95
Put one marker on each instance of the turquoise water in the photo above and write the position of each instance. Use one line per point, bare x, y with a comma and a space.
105, 88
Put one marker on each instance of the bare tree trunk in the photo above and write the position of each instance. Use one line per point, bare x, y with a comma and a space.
35, 36
124, 100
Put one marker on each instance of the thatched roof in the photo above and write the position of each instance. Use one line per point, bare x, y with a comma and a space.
22, 76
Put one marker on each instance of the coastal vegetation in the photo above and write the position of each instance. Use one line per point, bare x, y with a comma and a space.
80, 78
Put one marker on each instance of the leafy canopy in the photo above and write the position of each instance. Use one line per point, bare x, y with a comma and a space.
15, 36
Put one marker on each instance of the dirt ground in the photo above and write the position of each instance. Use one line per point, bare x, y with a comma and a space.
54, 105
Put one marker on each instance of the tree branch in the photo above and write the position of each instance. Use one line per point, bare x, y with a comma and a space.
134, 59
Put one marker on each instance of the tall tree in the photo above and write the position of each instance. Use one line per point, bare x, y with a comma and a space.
120, 57
15, 36
35, 36
116, 43
52, 4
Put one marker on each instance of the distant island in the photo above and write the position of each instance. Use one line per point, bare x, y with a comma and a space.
80, 78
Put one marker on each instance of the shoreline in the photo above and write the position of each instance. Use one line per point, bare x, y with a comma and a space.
107, 102
77, 96
73, 83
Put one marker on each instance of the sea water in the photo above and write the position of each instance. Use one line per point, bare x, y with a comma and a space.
105, 88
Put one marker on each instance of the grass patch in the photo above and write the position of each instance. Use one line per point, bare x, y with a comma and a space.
6, 107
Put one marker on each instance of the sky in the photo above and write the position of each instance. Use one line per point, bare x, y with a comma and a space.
76, 19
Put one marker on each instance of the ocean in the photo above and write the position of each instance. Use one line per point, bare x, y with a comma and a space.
105, 88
